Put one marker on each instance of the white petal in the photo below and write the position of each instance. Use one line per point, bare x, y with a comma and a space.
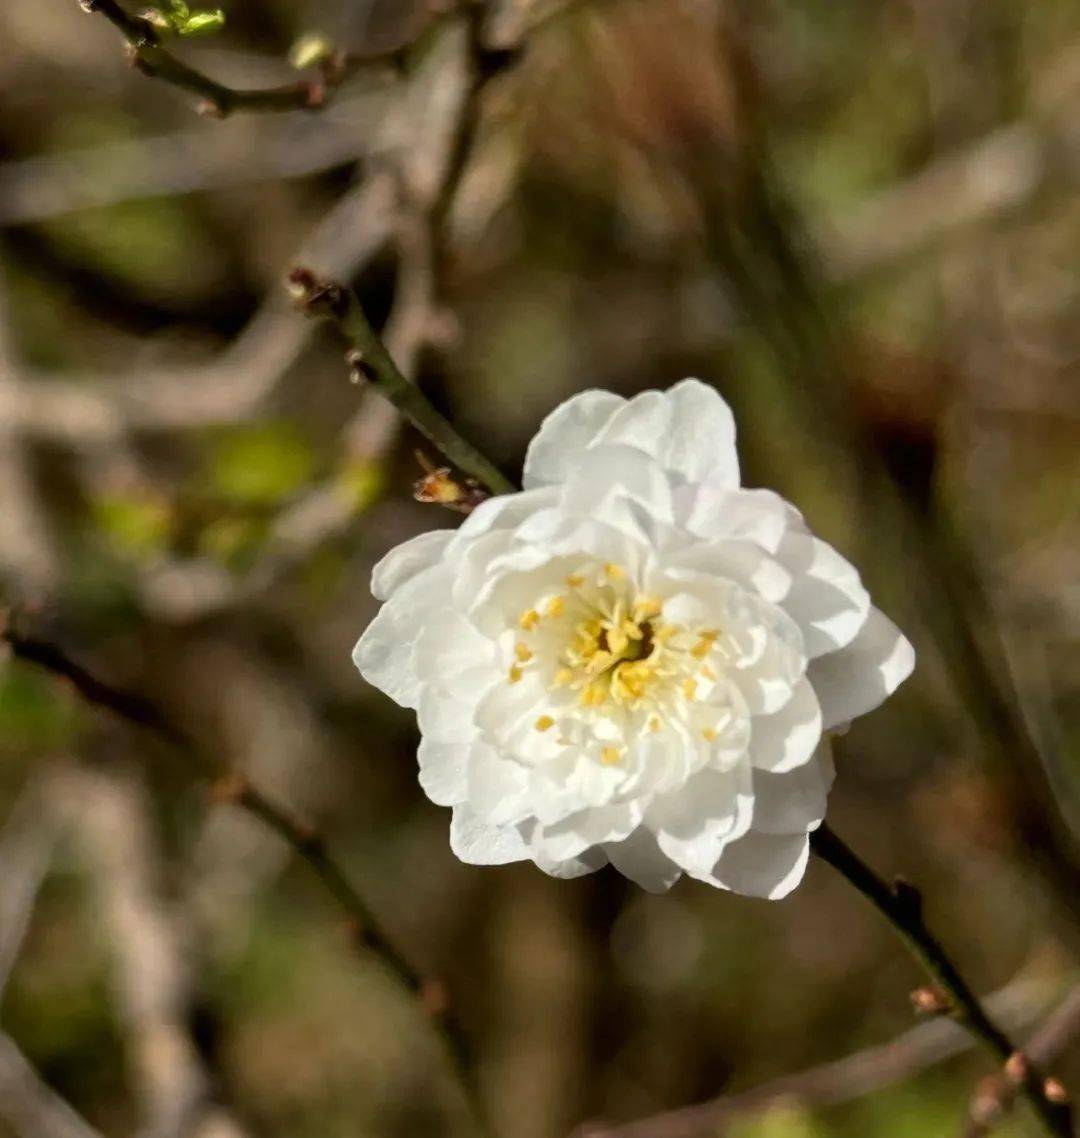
443, 770
444, 718
760, 516
787, 738
565, 433
620, 471
478, 843
497, 787
794, 802
695, 824
641, 860
588, 862
579, 832
854, 680
763, 865
384, 655
688, 429
404, 561
827, 598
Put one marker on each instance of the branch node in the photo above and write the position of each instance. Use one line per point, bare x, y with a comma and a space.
360, 371
315, 297
1055, 1092
1017, 1068
434, 998
230, 789
908, 899
931, 1001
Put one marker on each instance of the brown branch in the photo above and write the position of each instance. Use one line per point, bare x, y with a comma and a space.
901, 905
996, 1096
233, 787
840, 1080
151, 58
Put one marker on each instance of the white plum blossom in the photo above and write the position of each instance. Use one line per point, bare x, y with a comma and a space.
634, 660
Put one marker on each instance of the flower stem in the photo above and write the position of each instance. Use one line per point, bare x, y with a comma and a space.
370, 360
901, 905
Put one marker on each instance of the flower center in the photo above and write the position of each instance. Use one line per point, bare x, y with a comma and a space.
607, 656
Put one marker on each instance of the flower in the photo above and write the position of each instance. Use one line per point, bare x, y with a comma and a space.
633, 660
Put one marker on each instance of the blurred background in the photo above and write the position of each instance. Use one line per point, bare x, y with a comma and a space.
859, 220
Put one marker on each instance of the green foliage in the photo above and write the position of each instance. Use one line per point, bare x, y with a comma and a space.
262, 464
175, 16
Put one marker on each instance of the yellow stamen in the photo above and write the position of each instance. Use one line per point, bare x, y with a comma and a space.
515, 674
709, 734
529, 619
654, 725
555, 607
523, 652
614, 572
689, 688
562, 677
610, 755
544, 723
645, 607
707, 672
575, 580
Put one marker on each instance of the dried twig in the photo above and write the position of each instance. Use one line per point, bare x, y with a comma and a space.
840, 1080
996, 1096
901, 906
151, 58
370, 361
232, 787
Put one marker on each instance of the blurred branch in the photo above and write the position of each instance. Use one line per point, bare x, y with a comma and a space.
151, 58
370, 361
840, 1080
26, 847
151, 973
996, 1096
901, 905
87, 409
32, 1109
232, 787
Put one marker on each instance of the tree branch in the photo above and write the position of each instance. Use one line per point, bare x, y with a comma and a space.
235, 788
371, 361
151, 58
839, 1080
901, 905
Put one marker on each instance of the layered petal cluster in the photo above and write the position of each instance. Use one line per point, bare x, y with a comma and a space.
634, 660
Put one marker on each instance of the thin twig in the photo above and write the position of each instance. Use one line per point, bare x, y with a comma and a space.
233, 787
152, 59
372, 362
840, 1080
901, 905
995, 1097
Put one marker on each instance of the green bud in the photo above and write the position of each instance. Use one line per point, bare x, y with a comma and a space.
310, 50
204, 23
